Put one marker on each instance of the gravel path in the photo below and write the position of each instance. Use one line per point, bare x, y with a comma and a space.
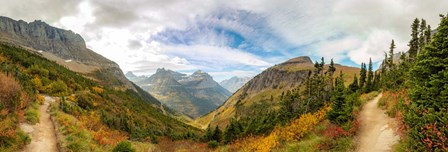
43, 135
377, 133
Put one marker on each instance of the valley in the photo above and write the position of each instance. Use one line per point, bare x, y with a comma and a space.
222, 80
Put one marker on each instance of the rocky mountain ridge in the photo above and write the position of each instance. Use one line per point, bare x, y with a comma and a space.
234, 83
193, 95
64, 47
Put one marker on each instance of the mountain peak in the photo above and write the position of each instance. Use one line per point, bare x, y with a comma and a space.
130, 74
300, 59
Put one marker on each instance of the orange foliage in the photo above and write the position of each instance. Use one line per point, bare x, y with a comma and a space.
293, 131
9, 91
40, 99
97, 90
102, 134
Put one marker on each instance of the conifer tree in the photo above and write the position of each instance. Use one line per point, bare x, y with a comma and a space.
390, 60
208, 134
354, 85
369, 86
422, 38
331, 68
217, 134
428, 34
362, 76
414, 44
427, 114
338, 114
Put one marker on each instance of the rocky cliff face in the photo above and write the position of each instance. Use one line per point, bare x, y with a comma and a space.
193, 95
234, 83
64, 45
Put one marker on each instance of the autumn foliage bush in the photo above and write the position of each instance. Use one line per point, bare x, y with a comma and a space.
291, 132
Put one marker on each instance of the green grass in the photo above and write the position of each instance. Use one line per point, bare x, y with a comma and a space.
309, 143
32, 113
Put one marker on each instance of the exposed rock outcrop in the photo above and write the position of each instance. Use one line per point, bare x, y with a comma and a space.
63, 44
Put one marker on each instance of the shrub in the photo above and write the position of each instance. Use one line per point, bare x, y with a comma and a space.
213, 144
32, 114
9, 91
123, 146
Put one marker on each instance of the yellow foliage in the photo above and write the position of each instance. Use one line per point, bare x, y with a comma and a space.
293, 131
97, 89
40, 99
38, 83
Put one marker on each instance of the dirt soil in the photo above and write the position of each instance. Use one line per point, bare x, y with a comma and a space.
43, 136
377, 132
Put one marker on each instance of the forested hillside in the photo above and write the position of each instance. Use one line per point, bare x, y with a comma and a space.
91, 117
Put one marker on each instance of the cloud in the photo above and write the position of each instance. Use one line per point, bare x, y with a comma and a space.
374, 47
229, 36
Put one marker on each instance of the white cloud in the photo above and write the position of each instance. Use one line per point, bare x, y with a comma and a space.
374, 47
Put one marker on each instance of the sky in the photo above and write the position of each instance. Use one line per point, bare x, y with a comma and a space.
232, 38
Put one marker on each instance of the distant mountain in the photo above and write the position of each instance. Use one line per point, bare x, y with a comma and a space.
64, 47
234, 83
134, 78
192, 95
271, 82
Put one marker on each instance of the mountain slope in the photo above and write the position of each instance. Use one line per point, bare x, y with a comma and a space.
88, 113
271, 82
64, 47
192, 95
234, 83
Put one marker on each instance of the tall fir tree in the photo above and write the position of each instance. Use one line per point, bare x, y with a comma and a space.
427, 115
362, 76
390, 60
422, 34
338, 114
354, 86
369, 85
414, 44
428, 34
217, 134
331, 68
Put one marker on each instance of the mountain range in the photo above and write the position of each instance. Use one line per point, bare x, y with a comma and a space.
234, 83
193, 95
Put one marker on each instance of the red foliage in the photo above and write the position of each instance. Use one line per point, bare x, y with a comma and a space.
333, 131
434, 138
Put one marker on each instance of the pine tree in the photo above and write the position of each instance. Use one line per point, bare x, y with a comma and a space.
369, 86
354, 85
362, 76
217, 134
422, 38
428, 34
331, 68
338, 115
208, 134
427, 114
414, 44
390, 60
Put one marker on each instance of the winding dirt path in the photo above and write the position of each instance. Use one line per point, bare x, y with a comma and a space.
377, 133
43, 138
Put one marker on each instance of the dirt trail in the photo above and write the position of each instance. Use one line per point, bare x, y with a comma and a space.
43, 136
377, 133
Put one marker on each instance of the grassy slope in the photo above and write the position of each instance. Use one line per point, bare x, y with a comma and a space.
125, 111
224, 113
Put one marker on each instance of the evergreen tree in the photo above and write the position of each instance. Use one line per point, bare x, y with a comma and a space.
414, 44
338, 114
428, 34
331, 68
427, 114
369, 85
362, 76
354, 85
390, 60
217, 134
376, 81
422, 38
208, 134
